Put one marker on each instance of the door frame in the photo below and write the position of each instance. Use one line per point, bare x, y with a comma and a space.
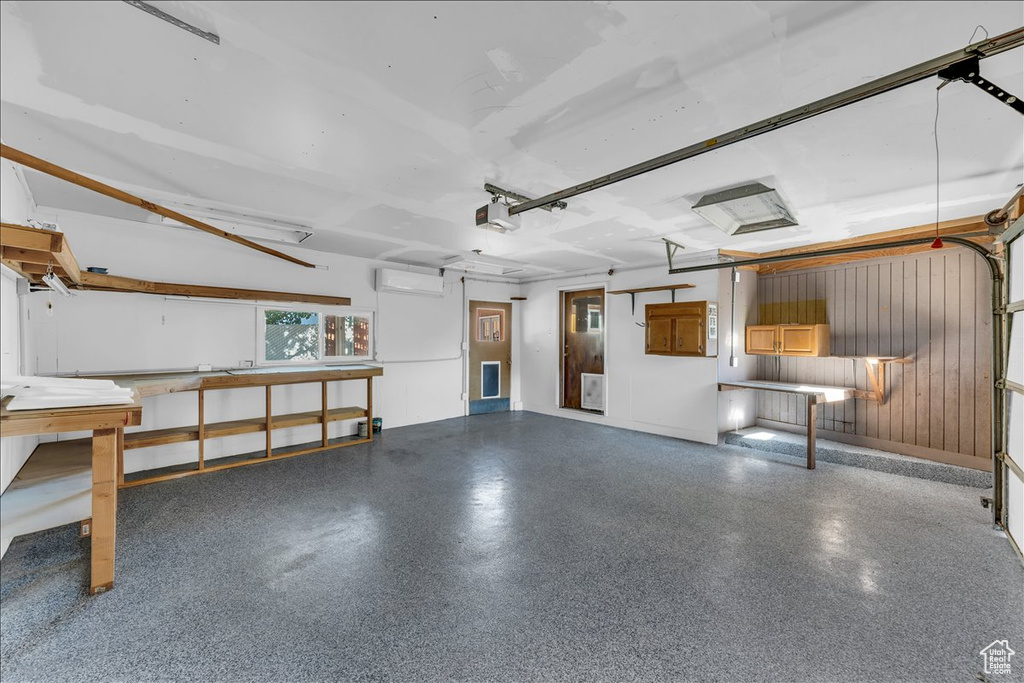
560, 385
469, 333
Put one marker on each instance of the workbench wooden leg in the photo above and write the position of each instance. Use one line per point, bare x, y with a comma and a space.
120, 457
104, 509
270, 425
812, 418
202, 430
323, 413
369, 408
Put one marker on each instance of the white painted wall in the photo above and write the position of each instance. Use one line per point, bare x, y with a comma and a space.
418, 339
16, 206
672, 396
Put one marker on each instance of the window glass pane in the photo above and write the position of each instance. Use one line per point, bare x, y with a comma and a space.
489, 325
292, 335
346, 335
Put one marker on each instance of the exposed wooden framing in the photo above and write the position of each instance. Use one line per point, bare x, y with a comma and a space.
113, 283
29, 251
19, 255
56, 171
30, 238
40, 270
973, 228
740, 255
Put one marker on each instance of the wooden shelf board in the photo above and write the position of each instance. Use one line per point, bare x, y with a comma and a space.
661, 288
279, 454
215, 430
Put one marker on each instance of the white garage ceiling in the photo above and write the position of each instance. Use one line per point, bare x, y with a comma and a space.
376, 124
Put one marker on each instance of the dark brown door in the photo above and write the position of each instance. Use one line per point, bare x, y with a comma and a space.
582, 342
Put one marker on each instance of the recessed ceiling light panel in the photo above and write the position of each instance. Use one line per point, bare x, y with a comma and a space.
749, 208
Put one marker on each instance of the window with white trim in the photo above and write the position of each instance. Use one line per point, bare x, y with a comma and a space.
309, 336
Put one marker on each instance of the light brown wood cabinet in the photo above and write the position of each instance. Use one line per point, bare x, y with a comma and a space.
678, 329
788, 340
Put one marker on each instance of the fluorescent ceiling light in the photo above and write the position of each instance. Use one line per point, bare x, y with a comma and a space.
479, 265
749, 208
268, 230
55, 283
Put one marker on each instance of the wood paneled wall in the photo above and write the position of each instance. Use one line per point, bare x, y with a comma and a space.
934, 308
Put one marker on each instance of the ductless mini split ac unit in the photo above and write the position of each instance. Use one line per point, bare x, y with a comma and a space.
405, 282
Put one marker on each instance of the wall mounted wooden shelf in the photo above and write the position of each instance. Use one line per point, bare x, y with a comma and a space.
660, 288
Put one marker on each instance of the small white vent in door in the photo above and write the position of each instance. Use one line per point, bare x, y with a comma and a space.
592, 390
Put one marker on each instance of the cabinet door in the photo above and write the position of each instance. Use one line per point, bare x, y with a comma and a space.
659, 335
761, 339
689, 336
797, 340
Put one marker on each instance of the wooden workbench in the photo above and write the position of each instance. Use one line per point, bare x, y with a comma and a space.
814, 395
107, 424
155, 384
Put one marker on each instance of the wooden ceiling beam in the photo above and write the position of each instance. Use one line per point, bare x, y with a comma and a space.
26, 255
98, 282
23, 237
36, 269
55, 252
974, 228
824, 261
56, 171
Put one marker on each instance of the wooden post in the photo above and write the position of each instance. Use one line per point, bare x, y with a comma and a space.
269, 423
120, 457
369, 408
104, 509
323, 412
202, 428
812, 417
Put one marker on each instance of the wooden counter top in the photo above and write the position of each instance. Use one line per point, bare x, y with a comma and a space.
157, 383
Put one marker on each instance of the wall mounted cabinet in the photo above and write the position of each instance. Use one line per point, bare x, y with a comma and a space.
678, 329
788, 340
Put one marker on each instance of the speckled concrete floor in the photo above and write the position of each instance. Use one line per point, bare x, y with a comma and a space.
519, 547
